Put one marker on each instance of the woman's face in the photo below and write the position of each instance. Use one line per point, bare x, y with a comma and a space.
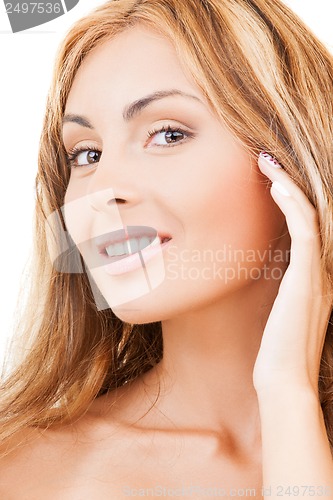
152, 165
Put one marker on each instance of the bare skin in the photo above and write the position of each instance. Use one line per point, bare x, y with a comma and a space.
104, 455
204, 428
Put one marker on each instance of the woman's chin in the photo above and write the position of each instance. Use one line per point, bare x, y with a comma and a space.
133, 315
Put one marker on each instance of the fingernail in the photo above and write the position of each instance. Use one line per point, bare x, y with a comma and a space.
269, 160
281, 189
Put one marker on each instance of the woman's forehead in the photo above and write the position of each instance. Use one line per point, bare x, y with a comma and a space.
134, 63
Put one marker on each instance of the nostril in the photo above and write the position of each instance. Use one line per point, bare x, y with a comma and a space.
116, 200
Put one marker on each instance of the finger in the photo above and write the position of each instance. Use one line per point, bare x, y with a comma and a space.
305, 250
302, 222
275, 172
304, 231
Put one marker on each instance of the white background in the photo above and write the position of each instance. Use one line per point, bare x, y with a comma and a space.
26, 65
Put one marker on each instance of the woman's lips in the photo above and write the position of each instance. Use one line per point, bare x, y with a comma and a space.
126, 243
123, 235
137, 260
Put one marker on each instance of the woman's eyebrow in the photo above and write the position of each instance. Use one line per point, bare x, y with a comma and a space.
134, 108
80, 120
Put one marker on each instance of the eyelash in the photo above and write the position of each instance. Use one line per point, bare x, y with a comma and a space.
189, 135
73, 153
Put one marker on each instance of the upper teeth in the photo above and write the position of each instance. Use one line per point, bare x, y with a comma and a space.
131, 245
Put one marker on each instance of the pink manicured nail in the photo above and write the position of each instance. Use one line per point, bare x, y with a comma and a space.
269, 160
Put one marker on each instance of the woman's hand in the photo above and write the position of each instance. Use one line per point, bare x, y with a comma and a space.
293, 339
295, 447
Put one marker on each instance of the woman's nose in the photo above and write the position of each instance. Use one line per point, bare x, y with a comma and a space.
115, 181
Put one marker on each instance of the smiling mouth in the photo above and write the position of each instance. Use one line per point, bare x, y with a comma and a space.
130, 246
120, 244
133, 239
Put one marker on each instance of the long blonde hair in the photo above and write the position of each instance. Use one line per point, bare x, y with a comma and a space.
271, 82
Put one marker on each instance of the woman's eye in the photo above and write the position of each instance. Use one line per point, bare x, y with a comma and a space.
79, 157
164, 137
167, 137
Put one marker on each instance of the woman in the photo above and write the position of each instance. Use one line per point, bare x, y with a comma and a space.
202, 363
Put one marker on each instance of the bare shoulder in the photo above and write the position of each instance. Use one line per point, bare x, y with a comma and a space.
63, 460
20, 465
87, 455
